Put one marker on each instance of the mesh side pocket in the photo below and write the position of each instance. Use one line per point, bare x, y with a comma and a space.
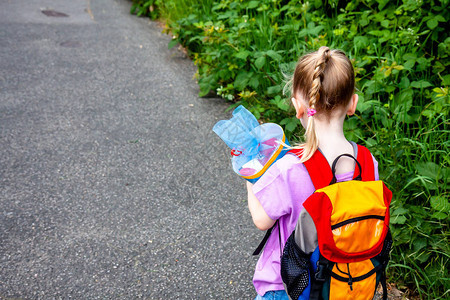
383, 257
294, 268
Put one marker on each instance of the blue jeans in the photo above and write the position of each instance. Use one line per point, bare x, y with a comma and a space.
273, 295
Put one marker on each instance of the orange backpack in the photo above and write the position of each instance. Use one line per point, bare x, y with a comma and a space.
352, 223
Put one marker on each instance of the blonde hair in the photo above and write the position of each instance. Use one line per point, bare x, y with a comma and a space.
325, 78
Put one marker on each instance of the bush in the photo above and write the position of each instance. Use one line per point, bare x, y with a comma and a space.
400, 52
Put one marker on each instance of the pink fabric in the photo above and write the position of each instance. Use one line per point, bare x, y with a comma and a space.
281, 191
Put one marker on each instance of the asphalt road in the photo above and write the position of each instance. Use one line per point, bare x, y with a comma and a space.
112, 183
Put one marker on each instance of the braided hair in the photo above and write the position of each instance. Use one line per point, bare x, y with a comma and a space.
325, 78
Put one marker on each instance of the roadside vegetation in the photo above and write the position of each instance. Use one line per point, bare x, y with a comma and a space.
400, 52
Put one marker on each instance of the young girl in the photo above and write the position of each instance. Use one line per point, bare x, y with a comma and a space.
323, 90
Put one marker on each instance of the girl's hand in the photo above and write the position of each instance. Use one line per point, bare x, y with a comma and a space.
260, 218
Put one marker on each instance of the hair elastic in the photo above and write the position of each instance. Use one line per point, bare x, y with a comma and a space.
311, 112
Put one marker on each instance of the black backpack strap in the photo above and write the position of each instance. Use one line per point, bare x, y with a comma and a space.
266, 237
384, 259
333, 168
383, 284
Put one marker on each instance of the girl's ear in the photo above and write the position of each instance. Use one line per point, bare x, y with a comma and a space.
300, 110
352, 105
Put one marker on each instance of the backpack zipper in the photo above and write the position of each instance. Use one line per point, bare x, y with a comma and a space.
352, 220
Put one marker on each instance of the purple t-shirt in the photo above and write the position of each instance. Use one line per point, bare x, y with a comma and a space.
281, 191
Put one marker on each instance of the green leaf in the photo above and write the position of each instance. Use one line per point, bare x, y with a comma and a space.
253, 4
403, 101
172, 43
446, 79
256, 113
419, 244
432, 23
410, 60
226, 15
428, 169
243, 54
283, 106
376, 32
440, 203
385, 23
399, 211
291, 126
272, 90
370, 142
280, 103
382, 3
410, 56
409, 64
254, 82
206, 84
439, 215
291, 123
260, 62
382, 116
241, 80
423, 64
423, 257
364, 20
133, 8
440, 18
233, 106
284, 121
274, 55
314, 30
404, 83
204, 90
429, 113
420, 84
364, 105
419, 212
398, 219
360, 42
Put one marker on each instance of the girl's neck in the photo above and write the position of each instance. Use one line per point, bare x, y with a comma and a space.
332, 141
330, 131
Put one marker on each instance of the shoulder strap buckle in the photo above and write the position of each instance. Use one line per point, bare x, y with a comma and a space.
320, 274
322, 269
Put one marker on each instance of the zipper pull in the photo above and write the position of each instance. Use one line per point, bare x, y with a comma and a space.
350, 278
